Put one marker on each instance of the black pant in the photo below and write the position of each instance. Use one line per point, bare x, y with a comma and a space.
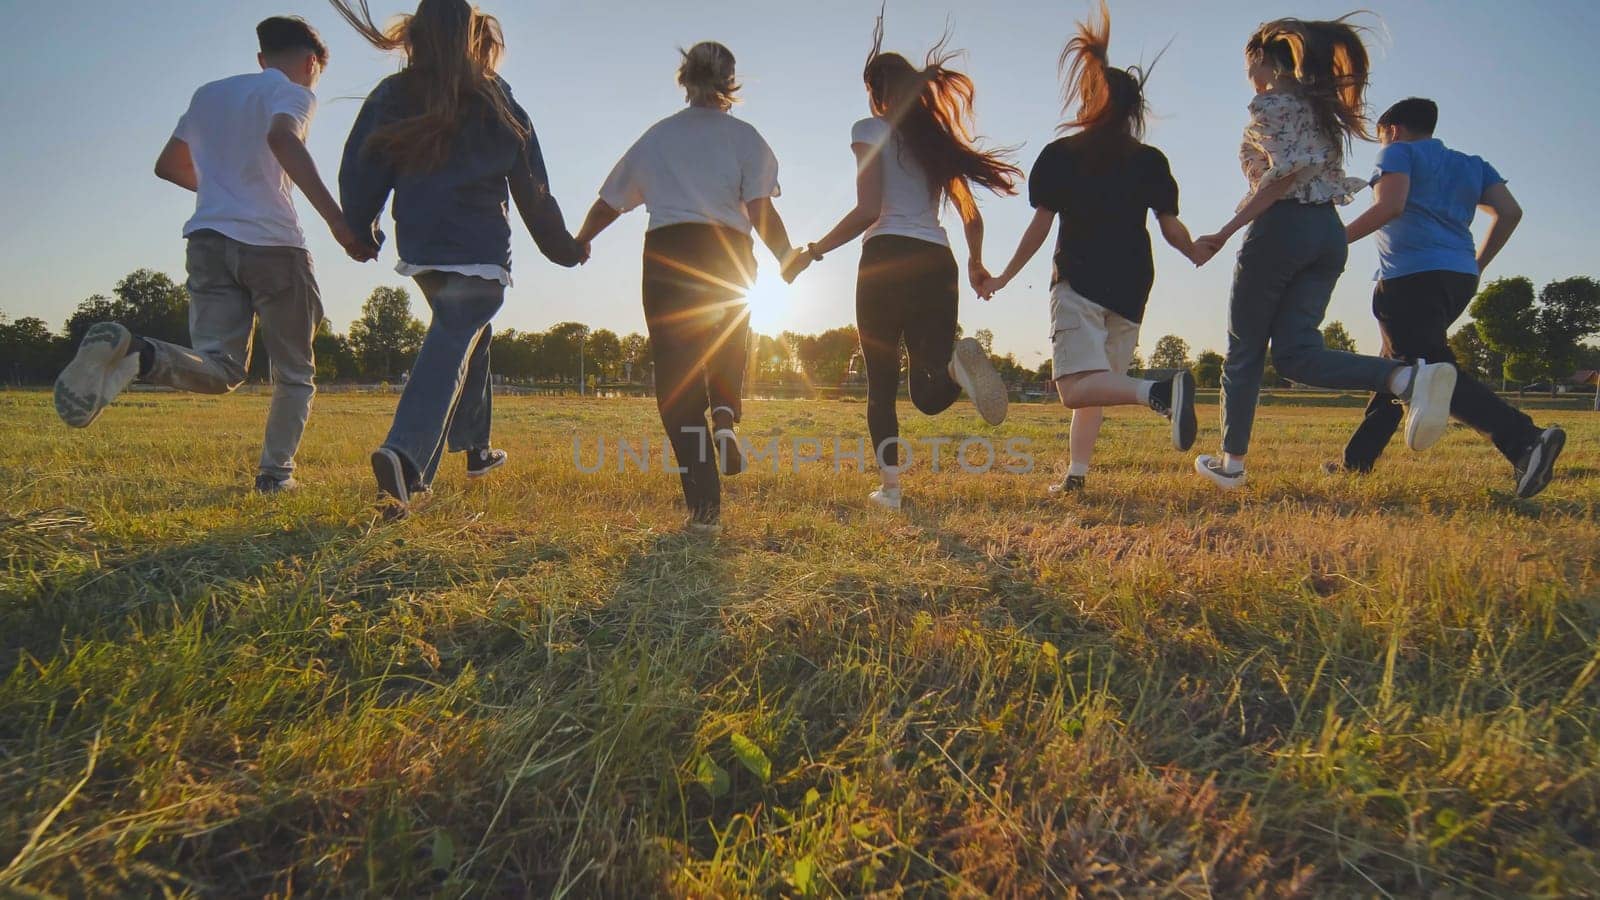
695, 279
907, 289
1415, 313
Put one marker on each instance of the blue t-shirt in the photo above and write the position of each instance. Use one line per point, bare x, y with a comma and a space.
1434, 234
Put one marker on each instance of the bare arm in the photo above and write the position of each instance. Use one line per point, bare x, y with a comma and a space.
1033, 238
1506, 215
283, 138
1176, 234
600, 217
177, 166
869, 201
972, 224
1389, 197
769, 226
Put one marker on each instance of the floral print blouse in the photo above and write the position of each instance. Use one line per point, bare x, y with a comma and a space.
1283, 141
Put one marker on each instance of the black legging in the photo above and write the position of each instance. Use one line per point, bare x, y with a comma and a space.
695, 279
908, 289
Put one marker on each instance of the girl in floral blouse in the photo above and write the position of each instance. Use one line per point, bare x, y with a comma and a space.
1310, 80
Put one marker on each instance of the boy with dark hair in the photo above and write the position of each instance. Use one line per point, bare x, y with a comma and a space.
241, 148
1425, 197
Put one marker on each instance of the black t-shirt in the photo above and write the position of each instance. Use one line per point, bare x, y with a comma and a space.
1101, 195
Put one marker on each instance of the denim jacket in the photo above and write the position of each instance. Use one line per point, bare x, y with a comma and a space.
456, 214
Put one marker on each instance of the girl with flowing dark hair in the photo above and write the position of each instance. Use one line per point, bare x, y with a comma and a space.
707, 179
1310, 79
1103, 181
447, 138
915, 152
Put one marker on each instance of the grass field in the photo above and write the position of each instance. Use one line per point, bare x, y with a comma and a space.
1320, 686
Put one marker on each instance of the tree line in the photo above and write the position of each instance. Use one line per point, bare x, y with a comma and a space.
1515, 336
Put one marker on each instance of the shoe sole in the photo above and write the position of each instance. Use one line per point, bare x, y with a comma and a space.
1185, 427
983, 384
1436, 385
1227, 484
391, 477
730, 455
885, 503
80, 393
1539, 475
486, 471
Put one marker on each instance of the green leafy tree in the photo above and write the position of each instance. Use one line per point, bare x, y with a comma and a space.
1569, 311
1208, 369
29, 353
985, 339
387, 336
1172, 352
603, 352
826, 356
1136, 365
560, 351
1337, 337
1506, 320
1475, 357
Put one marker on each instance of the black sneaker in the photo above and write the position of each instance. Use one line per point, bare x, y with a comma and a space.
266, 484
481, 462
394, 493
1175, 400
1537, 465
1074, 484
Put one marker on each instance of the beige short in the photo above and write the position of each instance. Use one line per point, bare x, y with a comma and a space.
1086, 336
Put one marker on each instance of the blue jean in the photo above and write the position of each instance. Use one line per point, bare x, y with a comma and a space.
448, 393
1292, 257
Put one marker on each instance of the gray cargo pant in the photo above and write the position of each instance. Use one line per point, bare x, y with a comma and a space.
231, 286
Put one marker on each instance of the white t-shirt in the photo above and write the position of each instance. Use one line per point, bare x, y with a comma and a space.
244, 193
698, 166
911, 202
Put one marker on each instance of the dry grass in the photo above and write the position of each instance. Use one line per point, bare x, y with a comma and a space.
1320, 686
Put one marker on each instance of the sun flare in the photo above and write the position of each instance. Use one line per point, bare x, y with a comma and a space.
772, 304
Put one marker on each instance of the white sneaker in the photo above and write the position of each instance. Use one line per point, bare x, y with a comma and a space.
102, 369
887, 498
1428, 403
971, 369
1211, 467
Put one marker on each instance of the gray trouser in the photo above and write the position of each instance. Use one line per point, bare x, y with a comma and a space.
231, 285
1292, 257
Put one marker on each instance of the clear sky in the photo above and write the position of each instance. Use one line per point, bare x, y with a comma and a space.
91, 93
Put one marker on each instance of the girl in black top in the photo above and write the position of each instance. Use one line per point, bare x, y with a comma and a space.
1101, 180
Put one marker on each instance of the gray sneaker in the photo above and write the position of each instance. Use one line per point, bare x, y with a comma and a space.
268, 485
972, 369
1537, 466
102, 369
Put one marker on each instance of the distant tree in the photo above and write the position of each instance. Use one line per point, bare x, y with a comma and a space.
336, 361
1208, 369
29, 353
635, 356
770, 358
985, 339
1474, 357
1046, 371
1136, 365
96, 308
1336, 337
1172, 352
604, 354
560, 351
1569, 311
826, 356
387, 336
1506, 320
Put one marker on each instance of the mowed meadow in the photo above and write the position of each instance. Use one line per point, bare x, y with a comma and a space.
1320, 686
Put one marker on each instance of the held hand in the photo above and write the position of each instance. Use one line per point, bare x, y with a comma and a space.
796, 262
357, 247
977, 276
1206, 247
583, 252
990, 287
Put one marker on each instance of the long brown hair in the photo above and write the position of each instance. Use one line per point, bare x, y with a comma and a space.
1330, 67
452, 51
931, 110
1109, 101
707, 75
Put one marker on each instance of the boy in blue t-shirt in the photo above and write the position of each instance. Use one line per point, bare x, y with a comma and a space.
1425, 197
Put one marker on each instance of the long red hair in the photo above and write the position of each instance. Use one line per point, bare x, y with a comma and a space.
931, 110
1329, 65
